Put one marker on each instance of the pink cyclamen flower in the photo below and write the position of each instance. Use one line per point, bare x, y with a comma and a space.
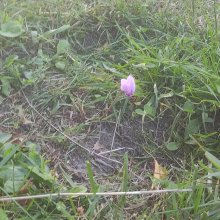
128, 85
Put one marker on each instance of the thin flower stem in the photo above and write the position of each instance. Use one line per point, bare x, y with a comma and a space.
111, 105
4, 199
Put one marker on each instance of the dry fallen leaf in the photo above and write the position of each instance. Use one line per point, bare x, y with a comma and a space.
159, 173
24, 189
80, 211
112, 57
104, 46
96, 146
133, 162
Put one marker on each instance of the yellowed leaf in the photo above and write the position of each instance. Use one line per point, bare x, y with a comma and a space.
159, 173
165, 105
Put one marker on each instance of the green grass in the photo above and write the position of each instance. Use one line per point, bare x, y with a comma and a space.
70, 56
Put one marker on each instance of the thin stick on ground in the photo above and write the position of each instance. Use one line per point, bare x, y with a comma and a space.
4, 199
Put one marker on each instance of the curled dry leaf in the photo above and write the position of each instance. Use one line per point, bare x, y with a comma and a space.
80, 211
159, 173
96, 146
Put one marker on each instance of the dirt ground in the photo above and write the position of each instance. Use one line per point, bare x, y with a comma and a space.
107, 138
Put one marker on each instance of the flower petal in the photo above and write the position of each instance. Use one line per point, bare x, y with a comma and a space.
123, 81
131, 83
125, 88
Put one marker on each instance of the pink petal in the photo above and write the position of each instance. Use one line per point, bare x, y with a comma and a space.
131, 83
123, 81
125, 88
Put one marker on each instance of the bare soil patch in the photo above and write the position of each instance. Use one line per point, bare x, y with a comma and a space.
107, 138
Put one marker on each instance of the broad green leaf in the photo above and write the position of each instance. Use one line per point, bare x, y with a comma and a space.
11, 29
210, 120
7, 149
149, 110
5, 87
56, 31
191, 128
28, 74
188, 106
33, 147
173, 145
39, 62
11, 186
3, 216
62, 46
204, 115
4, 137
140, 112
1, 99
11, 177
60, 65
9, 60
214, 160
78, 189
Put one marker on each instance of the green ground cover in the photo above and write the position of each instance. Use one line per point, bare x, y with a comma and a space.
61, 61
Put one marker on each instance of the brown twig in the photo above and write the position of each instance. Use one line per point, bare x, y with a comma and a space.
111, 105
